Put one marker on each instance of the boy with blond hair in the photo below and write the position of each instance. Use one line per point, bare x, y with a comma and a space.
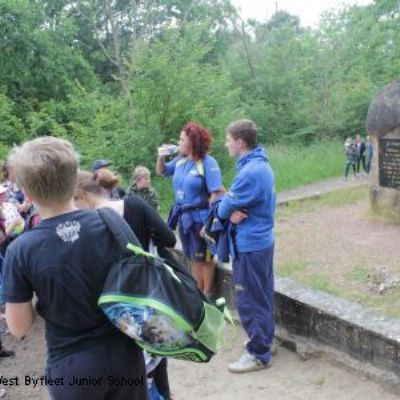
65, 260
141, 186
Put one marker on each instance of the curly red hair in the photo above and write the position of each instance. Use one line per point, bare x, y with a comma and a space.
200, 139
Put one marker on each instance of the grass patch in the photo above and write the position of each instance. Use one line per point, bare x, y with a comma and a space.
358, 274
296, 165
292, 268
388, 303
321, 282
293, 165
300, 271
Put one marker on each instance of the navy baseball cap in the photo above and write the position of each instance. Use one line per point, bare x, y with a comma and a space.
100, 164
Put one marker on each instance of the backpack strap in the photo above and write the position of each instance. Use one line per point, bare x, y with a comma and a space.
200, 168
199, 165
118, 227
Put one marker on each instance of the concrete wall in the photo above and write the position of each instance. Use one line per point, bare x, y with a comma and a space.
332, 322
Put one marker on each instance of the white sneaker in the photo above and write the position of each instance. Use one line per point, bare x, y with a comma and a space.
247, 363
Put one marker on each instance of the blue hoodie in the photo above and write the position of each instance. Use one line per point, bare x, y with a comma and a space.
253, 190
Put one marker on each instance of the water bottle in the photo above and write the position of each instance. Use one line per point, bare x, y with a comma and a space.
168, 150
172, 149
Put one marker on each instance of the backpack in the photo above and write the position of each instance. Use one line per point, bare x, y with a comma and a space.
157, 302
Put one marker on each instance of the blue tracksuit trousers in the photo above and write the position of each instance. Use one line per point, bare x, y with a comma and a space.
253, 278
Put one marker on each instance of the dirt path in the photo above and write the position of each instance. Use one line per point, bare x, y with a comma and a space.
340, 250
289, 378
320, 188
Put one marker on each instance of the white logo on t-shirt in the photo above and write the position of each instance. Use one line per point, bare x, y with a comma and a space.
69, 231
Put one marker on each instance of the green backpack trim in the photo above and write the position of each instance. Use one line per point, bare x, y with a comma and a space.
139, 251
175, 353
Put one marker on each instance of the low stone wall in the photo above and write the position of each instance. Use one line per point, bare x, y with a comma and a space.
330, 321
312, 322
348, 327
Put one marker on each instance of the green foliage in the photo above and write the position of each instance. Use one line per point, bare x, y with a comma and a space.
172, 84
119, 78
11, 127
39, 61
296, 165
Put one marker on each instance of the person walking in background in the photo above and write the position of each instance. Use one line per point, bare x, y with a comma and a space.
250, 205
197, 181
65, 260
370, 153
141, 186
360, 146
351, 157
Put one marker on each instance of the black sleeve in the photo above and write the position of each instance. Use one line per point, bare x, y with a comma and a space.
161, 379
121, 192
154, 225
16, 286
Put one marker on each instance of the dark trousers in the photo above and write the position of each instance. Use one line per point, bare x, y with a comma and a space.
161, 379
115, 371
361, 160
253, 278
346, 170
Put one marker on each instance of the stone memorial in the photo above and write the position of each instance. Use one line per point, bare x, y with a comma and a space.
383, 126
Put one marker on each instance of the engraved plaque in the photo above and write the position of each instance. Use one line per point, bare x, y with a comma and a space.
389, 163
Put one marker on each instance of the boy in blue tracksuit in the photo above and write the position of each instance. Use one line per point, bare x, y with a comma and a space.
250, 204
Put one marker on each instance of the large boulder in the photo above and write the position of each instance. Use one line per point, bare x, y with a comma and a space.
384, 111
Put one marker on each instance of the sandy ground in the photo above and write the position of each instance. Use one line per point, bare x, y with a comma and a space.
289, 377
338, 250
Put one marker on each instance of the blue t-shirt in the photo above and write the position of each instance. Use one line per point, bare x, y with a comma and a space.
193, 181
64, 260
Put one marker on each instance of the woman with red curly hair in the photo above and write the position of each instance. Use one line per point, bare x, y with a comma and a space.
196, 180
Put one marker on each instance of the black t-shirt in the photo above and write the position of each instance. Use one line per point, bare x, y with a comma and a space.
64, 260
147, 223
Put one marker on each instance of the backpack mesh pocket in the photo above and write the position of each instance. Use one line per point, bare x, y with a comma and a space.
211, 330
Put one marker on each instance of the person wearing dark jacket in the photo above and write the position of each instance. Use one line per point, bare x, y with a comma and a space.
148, 227
141, 186
351, 157
361, 148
